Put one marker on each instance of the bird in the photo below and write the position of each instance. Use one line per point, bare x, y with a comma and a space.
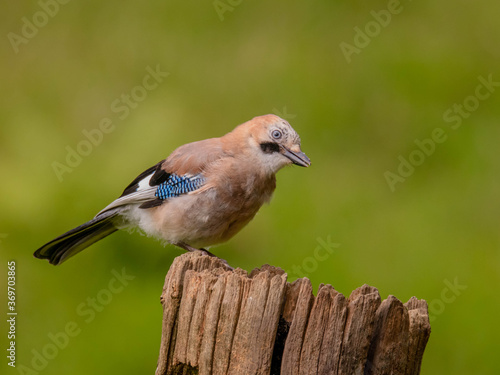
200, 196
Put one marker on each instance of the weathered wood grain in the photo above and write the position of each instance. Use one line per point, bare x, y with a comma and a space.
296, 313
363, 303
389, 347
220, 321
420, 330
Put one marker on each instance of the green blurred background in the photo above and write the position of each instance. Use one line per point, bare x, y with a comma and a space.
227, 64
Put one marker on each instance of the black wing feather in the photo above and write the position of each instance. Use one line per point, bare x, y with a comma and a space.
134, 185
160, 175
154, 203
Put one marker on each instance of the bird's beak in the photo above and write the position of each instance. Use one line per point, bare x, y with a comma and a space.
298, 158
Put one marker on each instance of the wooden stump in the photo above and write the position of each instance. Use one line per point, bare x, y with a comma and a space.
217, 320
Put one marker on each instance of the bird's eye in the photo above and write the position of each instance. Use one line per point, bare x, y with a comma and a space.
276, 134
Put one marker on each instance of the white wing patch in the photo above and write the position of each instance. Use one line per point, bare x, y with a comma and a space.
144, 183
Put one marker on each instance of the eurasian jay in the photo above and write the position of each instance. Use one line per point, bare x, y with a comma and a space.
201, 195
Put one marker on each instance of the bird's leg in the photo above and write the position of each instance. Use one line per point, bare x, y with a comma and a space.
187, 247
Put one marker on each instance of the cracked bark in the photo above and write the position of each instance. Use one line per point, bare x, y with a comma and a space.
217, 320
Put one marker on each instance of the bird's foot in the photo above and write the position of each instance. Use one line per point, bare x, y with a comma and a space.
208, 252
213, 255
187, 247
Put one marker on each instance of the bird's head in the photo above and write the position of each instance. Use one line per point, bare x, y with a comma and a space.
275, 143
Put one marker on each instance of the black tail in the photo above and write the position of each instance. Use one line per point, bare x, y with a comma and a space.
78, 239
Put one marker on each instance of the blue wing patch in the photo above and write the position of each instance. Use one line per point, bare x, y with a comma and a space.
178, 185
